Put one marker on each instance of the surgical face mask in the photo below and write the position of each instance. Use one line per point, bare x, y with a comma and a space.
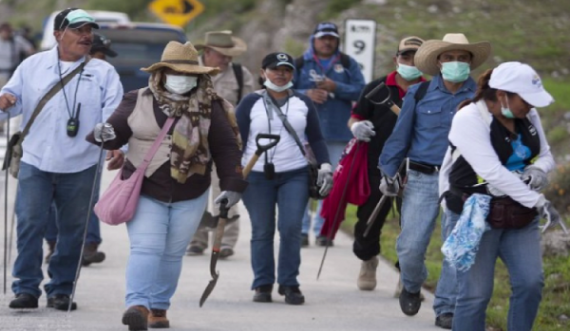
408, 72
455, 72
269, 84
179, 84
506, 111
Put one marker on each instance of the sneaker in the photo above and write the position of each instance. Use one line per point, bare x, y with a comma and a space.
410, 303
304, 240
367, 277
444, 321
226, 252
60, 302
263, 293
24, 301
194, 251
136, 317
157, 319
92, 255
322, 241
293, 295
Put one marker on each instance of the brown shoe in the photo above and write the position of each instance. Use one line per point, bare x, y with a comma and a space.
157, 319
136, 317
92, 255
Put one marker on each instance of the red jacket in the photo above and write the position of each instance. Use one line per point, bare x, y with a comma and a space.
350, 186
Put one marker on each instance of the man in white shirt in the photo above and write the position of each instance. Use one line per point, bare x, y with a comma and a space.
58, 165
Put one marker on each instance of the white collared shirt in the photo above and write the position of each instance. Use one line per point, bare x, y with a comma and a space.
47, 146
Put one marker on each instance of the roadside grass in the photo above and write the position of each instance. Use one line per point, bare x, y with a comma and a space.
556, 294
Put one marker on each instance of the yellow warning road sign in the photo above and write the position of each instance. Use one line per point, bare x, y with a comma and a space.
176, 12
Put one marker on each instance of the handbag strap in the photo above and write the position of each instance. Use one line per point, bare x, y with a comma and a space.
47, 97
150, 154
269, 99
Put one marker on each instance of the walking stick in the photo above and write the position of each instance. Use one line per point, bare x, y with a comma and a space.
336, 219
222, 219
89, 212
6, 178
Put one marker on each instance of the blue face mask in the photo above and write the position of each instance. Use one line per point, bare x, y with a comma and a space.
455, 72
506, 111
408, 72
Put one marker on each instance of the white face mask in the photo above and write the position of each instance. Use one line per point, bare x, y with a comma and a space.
269, 84
179, 84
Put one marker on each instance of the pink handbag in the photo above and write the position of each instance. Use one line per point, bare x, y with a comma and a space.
119, 202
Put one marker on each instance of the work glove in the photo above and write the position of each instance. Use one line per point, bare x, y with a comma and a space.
363, 130
230, 197
104, 132
535, 178
547, 212
325, 179
389, 187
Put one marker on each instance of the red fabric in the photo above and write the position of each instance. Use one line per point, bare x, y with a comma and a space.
391, 81
357, 191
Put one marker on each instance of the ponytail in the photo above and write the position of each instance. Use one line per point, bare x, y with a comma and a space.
484, 91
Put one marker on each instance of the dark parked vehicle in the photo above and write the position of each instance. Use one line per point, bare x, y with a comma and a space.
138, 45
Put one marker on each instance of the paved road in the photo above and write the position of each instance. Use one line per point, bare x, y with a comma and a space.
332, 303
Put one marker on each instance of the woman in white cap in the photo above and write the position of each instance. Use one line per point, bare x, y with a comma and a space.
498, 148
175, 187
281, 178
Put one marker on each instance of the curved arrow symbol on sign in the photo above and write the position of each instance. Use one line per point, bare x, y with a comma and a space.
187, 7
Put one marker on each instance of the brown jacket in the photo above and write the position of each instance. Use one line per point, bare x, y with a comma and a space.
160, 185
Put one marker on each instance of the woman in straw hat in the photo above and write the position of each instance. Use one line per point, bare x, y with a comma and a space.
175, 187
421, 136
499, 154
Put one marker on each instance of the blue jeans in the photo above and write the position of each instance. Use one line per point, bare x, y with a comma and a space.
520, 251
37, 191
93, 229
289, 192
420, 208
446, 290
159, 234
335, 152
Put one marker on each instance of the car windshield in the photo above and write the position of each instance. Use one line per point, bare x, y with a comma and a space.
138, 47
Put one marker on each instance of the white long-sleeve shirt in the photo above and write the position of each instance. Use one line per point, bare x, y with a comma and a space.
470, 134
47, 146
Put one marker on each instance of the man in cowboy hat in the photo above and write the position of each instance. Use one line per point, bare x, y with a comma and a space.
333, 81
421, 135
232, 83
58, 165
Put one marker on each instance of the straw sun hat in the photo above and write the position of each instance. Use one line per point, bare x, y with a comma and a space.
426, 56
181, 58
223, 42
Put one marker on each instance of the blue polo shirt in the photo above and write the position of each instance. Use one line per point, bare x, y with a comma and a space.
421, 130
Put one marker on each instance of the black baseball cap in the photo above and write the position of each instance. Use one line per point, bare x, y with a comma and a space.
102, 44
73, 18
326, 29
274, 60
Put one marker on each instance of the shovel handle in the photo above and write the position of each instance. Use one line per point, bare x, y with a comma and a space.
273, 141
247, 169
386, 102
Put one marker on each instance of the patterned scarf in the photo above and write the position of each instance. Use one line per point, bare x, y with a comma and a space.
190, 151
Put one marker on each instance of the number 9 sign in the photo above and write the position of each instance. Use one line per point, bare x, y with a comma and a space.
360, 42
359, 45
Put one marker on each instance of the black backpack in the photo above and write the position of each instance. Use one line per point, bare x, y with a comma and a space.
344, 60
238, 72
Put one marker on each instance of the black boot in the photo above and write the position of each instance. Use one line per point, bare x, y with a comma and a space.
24, 301
60, 302
410, 303
263, 293
293, 295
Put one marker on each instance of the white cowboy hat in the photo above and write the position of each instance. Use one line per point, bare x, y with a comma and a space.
426, 56
181, 58
223, 42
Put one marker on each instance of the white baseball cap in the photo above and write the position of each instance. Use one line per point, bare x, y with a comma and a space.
520, 78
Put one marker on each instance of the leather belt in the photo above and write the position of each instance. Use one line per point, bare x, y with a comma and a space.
423, 168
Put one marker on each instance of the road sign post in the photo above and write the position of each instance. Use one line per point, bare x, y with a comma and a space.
360, 43
176, 12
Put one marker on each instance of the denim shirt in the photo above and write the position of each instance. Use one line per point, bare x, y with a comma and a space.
47, 145
421, 130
